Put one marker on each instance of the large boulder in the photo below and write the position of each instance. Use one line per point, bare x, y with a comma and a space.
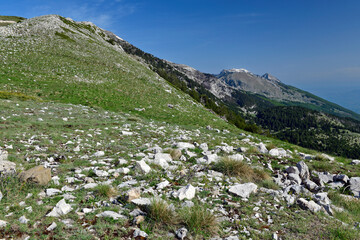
243, 190
38, 175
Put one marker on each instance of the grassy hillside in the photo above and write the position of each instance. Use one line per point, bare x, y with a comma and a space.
60, 60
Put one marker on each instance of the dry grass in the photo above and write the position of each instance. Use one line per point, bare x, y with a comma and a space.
175, 154
161, 213
200, 220
240, 169
106, 190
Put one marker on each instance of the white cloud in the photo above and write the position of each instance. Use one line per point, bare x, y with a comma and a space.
101, 13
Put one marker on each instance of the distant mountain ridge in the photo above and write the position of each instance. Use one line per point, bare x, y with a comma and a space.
227, 81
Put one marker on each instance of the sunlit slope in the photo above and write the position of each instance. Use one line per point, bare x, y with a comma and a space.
61, 60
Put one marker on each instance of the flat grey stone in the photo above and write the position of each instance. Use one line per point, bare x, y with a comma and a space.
243, 190
111, 214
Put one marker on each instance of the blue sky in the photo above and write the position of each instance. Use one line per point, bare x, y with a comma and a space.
313, 45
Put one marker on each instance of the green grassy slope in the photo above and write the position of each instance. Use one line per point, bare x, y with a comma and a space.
61, 60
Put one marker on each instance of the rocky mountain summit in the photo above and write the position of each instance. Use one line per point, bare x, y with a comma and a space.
96, 144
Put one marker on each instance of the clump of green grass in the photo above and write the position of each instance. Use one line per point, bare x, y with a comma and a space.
252, 150
241, 170
13, 188
320, 157
269, 183
352, 206
105, 190
322, 166
160, 212
17, 95
64, 36
270, 146
200, 220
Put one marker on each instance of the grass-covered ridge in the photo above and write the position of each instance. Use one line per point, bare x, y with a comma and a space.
72, 62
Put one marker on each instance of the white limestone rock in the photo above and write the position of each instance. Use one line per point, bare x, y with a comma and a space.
99, 154
309, 205
3, 155
163, 184
142, 166
138, 234
111, 214
184, 145
52, 226
7, 167
141, 201
90, 185
23, 220
303, 170
243, 190
61, 208
52, 191
187, 192
355, 186
3, 223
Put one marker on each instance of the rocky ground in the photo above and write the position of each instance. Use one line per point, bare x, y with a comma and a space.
74, 172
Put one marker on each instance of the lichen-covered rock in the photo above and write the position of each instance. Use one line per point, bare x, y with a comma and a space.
38, 175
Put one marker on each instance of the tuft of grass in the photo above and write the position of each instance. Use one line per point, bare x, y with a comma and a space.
269, 183
322, 166
252, 150
160, 212
241, 170
175, 154
105, 190
200, 220
270, 146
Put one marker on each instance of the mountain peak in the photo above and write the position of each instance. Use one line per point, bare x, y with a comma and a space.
236, 70
268, 76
